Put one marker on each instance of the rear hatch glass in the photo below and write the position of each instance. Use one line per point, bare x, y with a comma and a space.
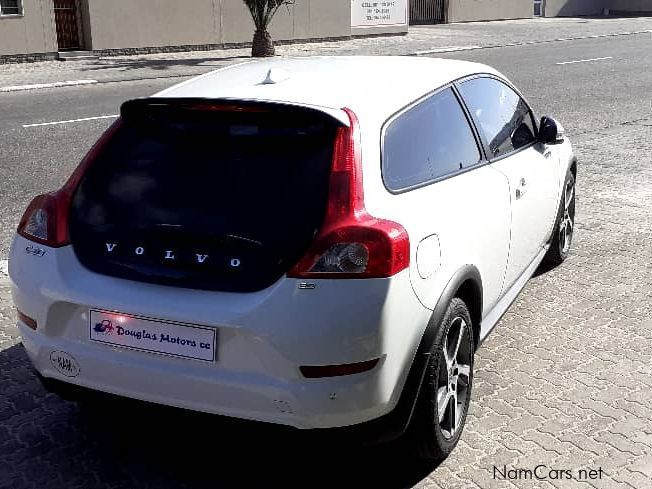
206, 195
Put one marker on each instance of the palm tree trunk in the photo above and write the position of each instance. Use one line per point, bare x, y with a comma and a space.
263, 45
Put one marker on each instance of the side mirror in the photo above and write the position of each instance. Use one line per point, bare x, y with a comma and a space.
550, 131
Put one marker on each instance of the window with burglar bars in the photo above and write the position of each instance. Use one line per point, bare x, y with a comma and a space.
11, 7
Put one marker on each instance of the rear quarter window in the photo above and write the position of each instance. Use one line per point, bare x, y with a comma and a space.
429, 141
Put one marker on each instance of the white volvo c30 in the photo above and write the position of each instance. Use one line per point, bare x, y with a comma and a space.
320, 242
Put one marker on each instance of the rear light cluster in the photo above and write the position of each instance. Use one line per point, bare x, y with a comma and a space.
351, 242
46, 219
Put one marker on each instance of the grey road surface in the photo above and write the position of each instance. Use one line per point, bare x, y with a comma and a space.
564, 383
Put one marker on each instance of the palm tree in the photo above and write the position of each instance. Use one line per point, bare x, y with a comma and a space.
262, 12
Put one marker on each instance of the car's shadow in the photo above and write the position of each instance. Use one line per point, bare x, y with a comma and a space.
544, 268
124, 444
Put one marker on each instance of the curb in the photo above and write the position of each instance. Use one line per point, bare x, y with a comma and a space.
74, 83
446, 49
37, 86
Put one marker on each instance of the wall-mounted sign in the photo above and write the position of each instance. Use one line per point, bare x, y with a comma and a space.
378, 12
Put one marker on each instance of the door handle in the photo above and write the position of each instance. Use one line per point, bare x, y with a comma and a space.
522, 188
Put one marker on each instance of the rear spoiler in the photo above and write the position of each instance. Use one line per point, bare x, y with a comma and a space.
136, 108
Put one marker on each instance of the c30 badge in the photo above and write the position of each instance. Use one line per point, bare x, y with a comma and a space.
33, 250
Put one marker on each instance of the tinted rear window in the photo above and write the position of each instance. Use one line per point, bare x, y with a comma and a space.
245, 186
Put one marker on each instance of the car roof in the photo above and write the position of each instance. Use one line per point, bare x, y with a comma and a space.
371, 86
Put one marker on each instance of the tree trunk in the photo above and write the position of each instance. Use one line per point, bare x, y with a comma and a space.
263, 45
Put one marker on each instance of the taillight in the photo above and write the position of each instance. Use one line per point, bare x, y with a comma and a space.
46, 219
352, 243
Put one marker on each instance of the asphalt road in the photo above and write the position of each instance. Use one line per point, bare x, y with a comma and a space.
586, 97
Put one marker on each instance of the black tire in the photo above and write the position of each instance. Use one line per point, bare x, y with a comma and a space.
562, 234
428, 433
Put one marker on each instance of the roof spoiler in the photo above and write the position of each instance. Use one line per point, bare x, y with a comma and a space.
151, 105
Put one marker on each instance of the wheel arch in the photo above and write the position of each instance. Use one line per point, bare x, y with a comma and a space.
470, 291
465, 284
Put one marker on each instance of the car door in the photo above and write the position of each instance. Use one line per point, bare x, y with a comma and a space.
508, 131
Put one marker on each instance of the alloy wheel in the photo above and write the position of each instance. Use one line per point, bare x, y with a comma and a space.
454, 378
567, 223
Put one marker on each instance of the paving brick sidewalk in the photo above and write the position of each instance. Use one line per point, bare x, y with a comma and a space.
424, 38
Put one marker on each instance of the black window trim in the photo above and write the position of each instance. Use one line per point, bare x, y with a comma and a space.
486, 149
476, 135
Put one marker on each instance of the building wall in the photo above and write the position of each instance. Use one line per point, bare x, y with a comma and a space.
475, 10
33, 32
555, 8
630, 5
329, 19
120, 24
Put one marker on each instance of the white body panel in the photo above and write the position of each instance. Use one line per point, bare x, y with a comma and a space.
533, 188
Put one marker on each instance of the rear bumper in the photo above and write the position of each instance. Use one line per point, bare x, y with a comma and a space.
175, 383
263, 339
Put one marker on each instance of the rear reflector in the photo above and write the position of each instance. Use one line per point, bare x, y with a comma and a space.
26, 320
315, 372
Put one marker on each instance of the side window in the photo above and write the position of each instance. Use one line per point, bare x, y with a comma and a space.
503, 118
431, 140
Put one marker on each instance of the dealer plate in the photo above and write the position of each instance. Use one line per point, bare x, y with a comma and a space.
153, 335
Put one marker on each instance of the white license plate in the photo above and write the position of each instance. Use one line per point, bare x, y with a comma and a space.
153, 335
